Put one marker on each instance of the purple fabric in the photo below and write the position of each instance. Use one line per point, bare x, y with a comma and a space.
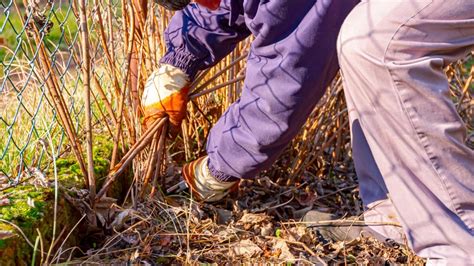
198, 38
291, 62
409, 142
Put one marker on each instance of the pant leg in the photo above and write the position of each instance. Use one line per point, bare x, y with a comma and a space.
292, 60
379, 212
392, 55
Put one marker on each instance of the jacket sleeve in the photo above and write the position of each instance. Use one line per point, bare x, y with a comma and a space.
291, 62
198, 38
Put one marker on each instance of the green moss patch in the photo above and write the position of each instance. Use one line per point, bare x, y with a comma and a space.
26, 205
28, 210
68, 170
32, 208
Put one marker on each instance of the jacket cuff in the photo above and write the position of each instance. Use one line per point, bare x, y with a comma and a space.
223, 177
184, 61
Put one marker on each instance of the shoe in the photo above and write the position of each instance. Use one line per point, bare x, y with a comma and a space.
203, 186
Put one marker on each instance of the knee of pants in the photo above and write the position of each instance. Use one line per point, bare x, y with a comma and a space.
365, 38
356, 50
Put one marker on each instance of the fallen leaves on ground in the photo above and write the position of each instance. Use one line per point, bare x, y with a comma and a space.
180, 231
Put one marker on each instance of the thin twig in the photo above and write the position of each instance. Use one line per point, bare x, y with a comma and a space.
222, 85
128, 158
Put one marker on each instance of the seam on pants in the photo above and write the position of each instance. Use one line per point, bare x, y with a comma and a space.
455, 206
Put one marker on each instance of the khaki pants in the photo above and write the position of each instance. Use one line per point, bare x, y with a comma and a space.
408, 141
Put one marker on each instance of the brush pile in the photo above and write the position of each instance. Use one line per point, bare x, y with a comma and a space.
253, 228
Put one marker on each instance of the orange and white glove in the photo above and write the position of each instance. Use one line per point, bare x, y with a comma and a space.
203, 185
166, 93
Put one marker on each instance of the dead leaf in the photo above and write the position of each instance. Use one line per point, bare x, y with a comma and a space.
131, 239
284, 251
105, 209
165, 240
254, 218
223, 215
267, 230
4, 234
3, 179
299, 234
246, 248
307, 198
120, 218
39, 177
226, 233
135, 255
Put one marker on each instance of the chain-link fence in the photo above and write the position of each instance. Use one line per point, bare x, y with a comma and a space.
28, 122
40, 53
43, 102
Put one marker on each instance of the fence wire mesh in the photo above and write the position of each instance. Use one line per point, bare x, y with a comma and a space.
28, 122
34, 34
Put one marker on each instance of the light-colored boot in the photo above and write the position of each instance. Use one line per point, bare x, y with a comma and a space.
203, 186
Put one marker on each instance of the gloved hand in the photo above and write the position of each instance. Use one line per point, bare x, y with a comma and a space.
166, 93
203, 185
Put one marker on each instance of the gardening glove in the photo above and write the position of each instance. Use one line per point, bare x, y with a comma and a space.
166, 94
202, 184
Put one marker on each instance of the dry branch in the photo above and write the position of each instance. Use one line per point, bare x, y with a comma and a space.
86, 72
141, 144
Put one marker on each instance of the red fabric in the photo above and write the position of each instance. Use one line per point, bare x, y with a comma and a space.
211, 4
